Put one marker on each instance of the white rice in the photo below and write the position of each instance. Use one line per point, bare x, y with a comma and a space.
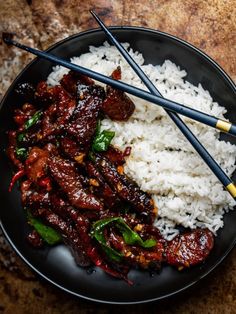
162, 162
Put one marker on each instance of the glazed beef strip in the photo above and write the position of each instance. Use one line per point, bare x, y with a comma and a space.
36, 163
116, 156
22, 115
97, 256
84, 122
190, 248
135, 255
126, 189
72, 150
70, 236
65, 174
59, 112
73, 80
100, 187
117, 105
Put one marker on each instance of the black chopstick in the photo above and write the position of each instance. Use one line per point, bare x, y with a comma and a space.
163, 102
169, 105
221, 175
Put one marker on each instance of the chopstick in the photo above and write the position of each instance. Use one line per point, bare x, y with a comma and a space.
228, 184
221, 175
163, 102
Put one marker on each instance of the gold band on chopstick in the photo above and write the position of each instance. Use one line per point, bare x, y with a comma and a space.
223, 125
232, 189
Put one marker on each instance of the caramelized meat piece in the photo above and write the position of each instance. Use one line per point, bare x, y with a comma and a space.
11, 149
70, 236
190, 248
22, 115
32, 198
72, 80
65, 174
116, 74
147, 231
126, 189
83, 227
60, 206
36, 163
100, 187
115, 155
51, 149
135, 255
58, 114
43, 94
72, 149
117, 105
25, 190
48, 123
34, 239
83, 125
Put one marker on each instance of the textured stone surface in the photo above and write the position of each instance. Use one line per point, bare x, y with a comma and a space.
210, 25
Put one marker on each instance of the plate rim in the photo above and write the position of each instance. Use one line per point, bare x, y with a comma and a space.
17, 251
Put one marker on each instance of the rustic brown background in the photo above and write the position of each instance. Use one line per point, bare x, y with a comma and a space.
210, 25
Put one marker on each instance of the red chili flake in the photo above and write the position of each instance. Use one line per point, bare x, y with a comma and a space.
45, 183
127, 151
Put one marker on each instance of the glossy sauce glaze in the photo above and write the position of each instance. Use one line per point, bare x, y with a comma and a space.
77, 192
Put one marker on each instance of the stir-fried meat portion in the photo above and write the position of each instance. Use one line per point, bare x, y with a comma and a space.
136, 255
36, 163
126, 189
190, 248
72, 150
59, 112
83, 125
73, 185
34, 239
117, 105
116, 156
70, 236
73, 80
65, 174
22, 115
32, 198
100, 187
11, 149
83, 227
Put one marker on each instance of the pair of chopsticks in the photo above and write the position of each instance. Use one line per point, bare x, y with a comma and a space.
212, 164
155, 97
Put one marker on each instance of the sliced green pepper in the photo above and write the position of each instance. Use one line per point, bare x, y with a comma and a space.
130, 237
48, 234
102, 139
20, 137
33, 120
21, 153
28, 124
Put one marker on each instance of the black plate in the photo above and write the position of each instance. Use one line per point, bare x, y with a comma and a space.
56, 264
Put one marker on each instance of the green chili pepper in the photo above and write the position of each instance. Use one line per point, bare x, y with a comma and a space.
48, 234
130, 237
33, 120
21, 153
102, 139
20, 137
